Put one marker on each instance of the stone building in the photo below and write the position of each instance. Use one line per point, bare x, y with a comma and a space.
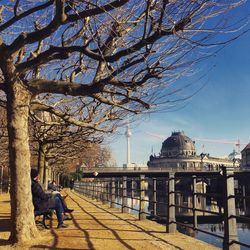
245, 155
178, 151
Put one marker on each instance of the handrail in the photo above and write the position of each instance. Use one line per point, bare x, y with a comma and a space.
106, 189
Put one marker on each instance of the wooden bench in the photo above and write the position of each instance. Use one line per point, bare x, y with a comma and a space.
45, 214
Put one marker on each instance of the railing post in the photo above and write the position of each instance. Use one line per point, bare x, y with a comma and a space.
93, 187
194, 203
203, 200
103, 191
154, 197
124, 195
244, 198
79, 185
142, 212
106, 191
95, 182
112, 203
230, 225
83, 187
133, 185
119, 188
98, 191
91, 190
171, 225
87, 188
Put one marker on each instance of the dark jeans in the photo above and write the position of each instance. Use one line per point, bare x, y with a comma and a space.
59, 209
61, 199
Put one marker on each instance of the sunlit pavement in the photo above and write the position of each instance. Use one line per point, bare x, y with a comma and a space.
96, 226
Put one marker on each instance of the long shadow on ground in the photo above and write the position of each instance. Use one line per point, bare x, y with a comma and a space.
151, 233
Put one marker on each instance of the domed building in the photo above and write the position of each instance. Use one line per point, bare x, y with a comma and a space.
178, 145
234, 155
178, 151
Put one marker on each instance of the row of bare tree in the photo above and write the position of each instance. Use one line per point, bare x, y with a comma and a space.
57, 147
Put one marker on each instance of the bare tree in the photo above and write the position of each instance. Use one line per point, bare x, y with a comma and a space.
56, 142
71, 155
79, 57
95, 155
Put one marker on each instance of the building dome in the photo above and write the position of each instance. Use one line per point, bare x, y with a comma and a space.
178, 145
234, 156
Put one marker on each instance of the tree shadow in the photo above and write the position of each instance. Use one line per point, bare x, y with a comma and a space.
129, 221
5, 224
5, 243
100, 222
57, 248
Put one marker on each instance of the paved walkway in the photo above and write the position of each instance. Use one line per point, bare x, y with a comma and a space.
96, 226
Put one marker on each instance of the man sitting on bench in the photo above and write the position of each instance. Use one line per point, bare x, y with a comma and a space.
43, 201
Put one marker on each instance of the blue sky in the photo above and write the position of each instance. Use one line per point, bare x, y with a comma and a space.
220, 111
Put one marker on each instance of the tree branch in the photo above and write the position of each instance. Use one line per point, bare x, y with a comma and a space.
63, 87
25, 14
95, 11
35, 36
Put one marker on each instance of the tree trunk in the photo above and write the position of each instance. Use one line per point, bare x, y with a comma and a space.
46, 174
23, 226
50, 173
53, 175
41, 162
58, 179
1, 180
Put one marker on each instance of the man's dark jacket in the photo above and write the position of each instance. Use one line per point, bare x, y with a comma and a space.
41, 200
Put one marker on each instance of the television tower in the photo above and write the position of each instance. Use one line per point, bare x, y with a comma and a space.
128, 135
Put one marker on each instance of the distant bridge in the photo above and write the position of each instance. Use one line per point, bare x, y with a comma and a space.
153, 172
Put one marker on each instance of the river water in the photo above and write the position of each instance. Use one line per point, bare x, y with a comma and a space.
242, 229
216, 228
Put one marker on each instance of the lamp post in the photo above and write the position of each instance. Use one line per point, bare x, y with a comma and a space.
234, 161
202, 155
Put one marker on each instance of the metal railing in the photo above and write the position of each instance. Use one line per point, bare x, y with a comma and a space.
117, 191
